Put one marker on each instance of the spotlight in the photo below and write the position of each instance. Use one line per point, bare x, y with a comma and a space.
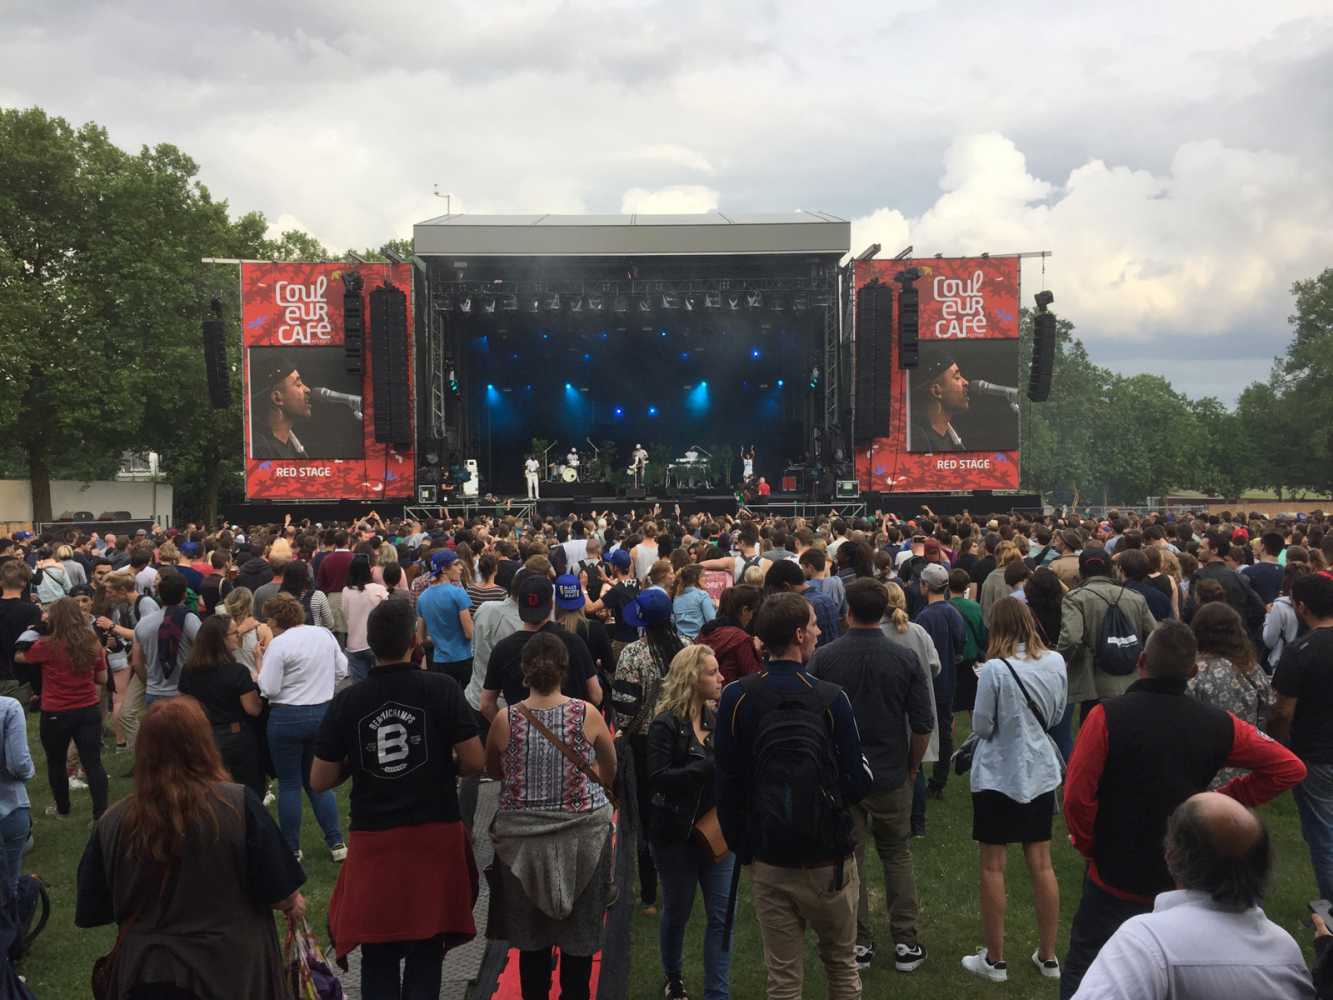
576, 306
670, 300
488, 304
754, 300
534, 303
652, 411
465, 304
712, 300
596, 303
1044, 299
814, 377
645, 305
511, 302
620, 411
733, 302
781, 382
568, 386
754, 353
553, 303
689, 302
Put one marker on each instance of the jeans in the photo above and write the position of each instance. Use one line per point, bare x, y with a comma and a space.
1314, 800
534, 975
14, 830
291, 739
884, 817
681, 867
359, 662
1099, 915
84, 727
422, 964
148, 699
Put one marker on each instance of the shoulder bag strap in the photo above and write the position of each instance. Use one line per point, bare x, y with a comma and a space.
1032, 705
555, 741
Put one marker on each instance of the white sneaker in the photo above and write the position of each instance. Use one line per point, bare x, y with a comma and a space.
269, 799
980, 965
77, 784
1050, 968
338, 852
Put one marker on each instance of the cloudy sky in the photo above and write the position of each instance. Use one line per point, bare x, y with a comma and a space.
1176, 156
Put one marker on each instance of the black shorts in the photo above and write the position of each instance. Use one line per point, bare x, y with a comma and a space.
998, 819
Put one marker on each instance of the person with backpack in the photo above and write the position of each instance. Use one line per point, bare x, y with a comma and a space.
1015, 772
789, 768
1102, 631
162, 640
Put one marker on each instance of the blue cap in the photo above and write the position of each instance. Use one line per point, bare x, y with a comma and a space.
568, 593
651, 607
442, 560
619, 559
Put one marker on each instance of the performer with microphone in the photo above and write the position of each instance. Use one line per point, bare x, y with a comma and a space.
278, 398
639, 465
531, 468
348, 400
939, 395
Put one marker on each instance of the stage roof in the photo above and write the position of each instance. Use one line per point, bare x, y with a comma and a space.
631, 235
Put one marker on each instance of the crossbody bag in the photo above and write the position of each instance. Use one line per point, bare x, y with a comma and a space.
587, 770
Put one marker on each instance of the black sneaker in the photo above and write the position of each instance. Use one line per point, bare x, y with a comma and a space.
918, 828
865, 955
674, 989
935, 792
908, 958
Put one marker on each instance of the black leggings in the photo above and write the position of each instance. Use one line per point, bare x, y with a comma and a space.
84, 727
643, 793
534, 975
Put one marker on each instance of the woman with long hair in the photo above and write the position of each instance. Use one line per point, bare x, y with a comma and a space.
73, 673
555, 890
691, 607
360, 596
994, 586
1021, 693
729, 636
681, 785
638, 679
252, 635
1228, 675
1161, 562
229, 696
296, 581
191, 867
386, 555
467, 562
570, 602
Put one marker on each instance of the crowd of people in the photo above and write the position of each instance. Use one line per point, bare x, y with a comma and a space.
735, 693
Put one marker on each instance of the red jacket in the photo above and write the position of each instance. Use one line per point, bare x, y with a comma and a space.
734, 649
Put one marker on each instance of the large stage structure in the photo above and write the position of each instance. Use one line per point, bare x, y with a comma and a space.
719, 345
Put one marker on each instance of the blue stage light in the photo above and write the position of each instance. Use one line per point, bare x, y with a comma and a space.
781, 383
652, 411
754, 352
662, 332
587, 357
684, 355
568, 386
620, 411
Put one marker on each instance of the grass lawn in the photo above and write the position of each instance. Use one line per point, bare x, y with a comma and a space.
946, 870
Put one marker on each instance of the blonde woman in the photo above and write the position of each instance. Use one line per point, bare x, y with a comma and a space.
681, 785
1021, 693
993, 587
385, 555
904, 632
252, 635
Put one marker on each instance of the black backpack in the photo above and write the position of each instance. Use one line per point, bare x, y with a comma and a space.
796, 808
1118, 644
170, 636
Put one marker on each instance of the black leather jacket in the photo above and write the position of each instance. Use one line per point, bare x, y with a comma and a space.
680, 776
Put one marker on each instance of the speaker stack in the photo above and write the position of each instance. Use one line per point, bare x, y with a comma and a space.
1043, 350
873, 368
353, 321
215, 359
389, 366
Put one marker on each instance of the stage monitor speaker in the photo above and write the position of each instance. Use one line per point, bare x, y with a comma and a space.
215, 363
354, 324
847, 489
426, 494
874, 335
1043, 357
388, 364
909, 355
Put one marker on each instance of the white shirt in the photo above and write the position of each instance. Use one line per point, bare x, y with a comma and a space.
572, 459
301, 665
747, 467
145, 581
531, 466
1189, 948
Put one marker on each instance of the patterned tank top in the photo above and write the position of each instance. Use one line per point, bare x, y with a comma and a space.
536, 774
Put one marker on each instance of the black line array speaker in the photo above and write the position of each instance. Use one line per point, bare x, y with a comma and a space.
874, 351
389, 368
215, 360
354, 325
909, 355
1043, 357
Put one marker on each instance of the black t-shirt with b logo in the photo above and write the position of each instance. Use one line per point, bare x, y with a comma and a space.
397, 729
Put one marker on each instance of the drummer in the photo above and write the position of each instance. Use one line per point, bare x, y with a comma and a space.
572, 460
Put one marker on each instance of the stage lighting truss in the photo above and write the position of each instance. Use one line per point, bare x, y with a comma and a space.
754, 300
576, 305
465, 304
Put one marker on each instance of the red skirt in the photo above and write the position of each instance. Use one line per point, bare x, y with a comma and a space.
409, 883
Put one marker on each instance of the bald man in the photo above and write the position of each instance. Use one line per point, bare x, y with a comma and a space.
1208, 938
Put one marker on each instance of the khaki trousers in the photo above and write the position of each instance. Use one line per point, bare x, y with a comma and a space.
786, 901
887, 817
131, 709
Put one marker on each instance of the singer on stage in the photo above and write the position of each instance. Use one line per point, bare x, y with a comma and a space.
279, 399
939, 396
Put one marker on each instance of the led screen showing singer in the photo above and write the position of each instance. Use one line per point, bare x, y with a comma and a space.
304, 405
963, 397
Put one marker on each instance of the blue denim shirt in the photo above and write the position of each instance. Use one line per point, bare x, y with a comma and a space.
1015, 756
17, 767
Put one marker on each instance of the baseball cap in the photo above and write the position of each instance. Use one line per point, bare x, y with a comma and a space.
1240, 535
651, 607
568, 593
619, 559
935, 577
1093, 559
932, 548
189, 548
442, 560
534, 598
934, 369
